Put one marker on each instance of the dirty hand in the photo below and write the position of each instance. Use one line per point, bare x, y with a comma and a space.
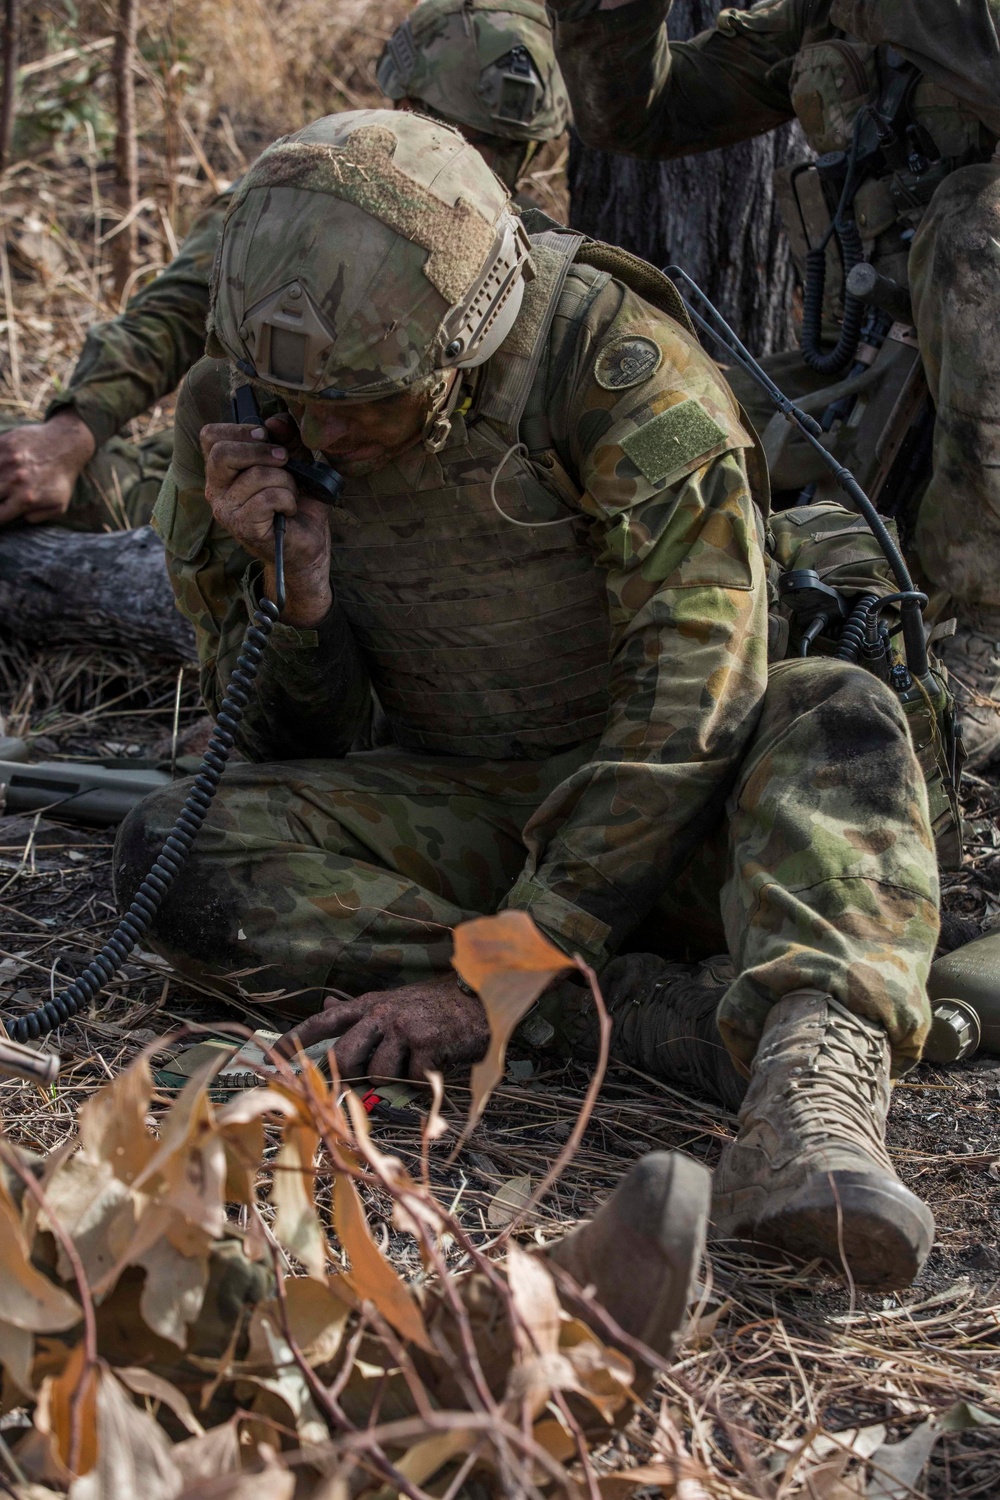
398, 1033
246, 484
40, 464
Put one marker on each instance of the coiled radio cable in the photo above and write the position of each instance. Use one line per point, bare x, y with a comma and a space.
177, 845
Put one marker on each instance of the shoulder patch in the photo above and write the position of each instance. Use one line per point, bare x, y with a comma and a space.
667, 444
627, 361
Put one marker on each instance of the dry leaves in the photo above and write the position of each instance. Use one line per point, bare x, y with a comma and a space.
183, 1314
508, 963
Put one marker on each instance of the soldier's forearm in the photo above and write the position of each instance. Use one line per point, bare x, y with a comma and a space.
132, 362
689, 671
636, 93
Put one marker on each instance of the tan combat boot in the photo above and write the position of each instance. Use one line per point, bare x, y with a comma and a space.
642, 1250
972, 656
808, 1172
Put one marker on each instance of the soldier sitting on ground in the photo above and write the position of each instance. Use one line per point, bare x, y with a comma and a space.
547, 564
487, 67
926, 213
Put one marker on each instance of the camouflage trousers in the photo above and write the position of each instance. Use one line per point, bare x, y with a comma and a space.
118, 488
819, 871
954, 274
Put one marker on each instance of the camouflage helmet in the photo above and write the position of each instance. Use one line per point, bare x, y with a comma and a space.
367, 255
488, 65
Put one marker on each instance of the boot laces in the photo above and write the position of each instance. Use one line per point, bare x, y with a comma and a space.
841, 1093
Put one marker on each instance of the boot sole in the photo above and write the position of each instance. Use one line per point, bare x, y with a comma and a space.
875, 1229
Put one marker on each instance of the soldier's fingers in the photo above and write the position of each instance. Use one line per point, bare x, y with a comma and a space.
12, 507
230, 432
356, 1046
389, 1057
256, 490
423, 1061
226, 459
322, 1027
38, 514
282, 428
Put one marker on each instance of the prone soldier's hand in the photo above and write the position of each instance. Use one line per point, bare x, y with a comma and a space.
398, 1033
39, 466
246, 485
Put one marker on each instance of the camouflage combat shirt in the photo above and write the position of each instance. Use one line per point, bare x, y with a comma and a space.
654, 451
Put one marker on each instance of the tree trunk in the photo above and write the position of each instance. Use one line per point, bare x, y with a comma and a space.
124, 243
78, 588
713, 214
8, 98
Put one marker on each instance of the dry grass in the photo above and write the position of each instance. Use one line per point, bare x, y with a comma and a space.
772, 1358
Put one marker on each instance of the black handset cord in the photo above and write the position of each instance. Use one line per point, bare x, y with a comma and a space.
911, 600
170, 860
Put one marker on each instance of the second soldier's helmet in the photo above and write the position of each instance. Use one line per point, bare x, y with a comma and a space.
488, 65
364, 256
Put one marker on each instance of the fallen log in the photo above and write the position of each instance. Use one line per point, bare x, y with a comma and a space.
77, 588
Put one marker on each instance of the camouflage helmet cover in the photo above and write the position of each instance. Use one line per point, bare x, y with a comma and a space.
489, 65
363, 256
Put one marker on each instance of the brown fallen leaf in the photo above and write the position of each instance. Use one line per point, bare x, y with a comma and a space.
133, 1457
508, 1201
145, 1383
215, 1453
539, 1367
66, 1413
113, 1123
186, 1174
554, 1438
625, 1482
17, 1355
602, 1374
296, 1223
95, 1208
424, 1459
316, 1317
435, 1125
241, 1124
536, 1302
28, 1300
274, 1482
508, 963
371, 1277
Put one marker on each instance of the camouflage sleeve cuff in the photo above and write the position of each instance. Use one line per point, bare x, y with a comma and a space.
103, 424
313, 695
286, 637
571, 928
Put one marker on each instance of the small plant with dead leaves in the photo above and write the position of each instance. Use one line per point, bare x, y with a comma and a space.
177, 1319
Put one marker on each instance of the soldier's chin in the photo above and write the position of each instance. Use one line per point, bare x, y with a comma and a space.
358, 468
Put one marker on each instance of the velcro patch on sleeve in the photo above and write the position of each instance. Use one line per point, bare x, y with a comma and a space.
671, 443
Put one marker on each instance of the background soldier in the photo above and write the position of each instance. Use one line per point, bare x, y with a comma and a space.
547, 563
486, 66
928, 216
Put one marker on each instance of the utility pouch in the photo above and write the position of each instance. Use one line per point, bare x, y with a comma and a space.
829, 83
805, 216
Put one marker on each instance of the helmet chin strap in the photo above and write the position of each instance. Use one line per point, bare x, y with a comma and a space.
443, 400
